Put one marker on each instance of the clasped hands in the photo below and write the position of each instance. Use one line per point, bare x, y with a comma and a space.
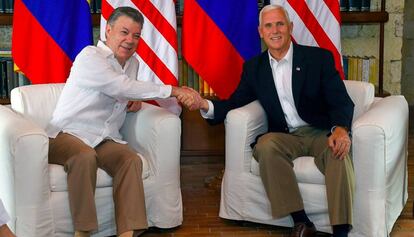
190, 98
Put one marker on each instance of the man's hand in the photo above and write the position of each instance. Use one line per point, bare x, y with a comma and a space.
134, 106
340, 142
188, 97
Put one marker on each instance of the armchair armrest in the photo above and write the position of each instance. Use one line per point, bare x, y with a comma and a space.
379, 140
243, 125
156, 134
24, 178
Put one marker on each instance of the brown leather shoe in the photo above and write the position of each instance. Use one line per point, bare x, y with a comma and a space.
302, 230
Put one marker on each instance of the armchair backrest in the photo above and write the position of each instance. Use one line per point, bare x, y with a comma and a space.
36, 102
362, 94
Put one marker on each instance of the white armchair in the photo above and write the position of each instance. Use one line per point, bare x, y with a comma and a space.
35, 192
380, 135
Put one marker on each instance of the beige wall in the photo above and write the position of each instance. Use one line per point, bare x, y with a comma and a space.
407, 81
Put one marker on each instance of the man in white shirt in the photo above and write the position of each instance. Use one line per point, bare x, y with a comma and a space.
84, 129
309, 113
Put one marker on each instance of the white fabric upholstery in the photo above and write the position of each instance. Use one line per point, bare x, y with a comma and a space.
380, 135
35, 192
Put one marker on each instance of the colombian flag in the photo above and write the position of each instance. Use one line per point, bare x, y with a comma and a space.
218, 36
47, 36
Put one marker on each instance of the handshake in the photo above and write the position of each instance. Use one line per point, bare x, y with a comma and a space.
190, 98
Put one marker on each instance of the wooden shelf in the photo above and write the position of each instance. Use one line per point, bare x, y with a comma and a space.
347, 18
6, 18
4, 101
364, 17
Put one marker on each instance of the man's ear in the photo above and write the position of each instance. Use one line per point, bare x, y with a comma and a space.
260, 32
107, 29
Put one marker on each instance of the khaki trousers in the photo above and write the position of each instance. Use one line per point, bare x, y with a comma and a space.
275, 153
80, 162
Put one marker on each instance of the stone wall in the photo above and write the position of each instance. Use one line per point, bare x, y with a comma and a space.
363, 40
407, 81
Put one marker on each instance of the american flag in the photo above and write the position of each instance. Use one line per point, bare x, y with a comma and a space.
158, 48
316, 23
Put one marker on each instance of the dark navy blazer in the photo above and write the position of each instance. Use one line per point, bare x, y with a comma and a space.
319, 93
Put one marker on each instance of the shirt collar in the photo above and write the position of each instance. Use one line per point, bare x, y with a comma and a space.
108, 52
288, 57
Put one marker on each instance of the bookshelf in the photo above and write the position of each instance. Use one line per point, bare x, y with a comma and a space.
379, 17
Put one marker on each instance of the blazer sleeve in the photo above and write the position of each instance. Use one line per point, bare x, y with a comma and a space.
339, 104
243, 95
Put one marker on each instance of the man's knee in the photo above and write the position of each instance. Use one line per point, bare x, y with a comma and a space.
269, 144
84, 159
130, 160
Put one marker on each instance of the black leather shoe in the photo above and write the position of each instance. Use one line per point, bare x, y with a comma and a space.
302, 230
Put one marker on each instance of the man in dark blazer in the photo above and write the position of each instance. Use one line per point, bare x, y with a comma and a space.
309, 113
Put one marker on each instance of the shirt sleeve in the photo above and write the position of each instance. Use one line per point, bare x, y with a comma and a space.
92, 70
210, 113
4, 217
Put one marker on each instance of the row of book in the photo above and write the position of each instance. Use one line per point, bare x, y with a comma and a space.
6, 6
179, 5
361, 69
95, 5
355, 5
188, 77
9, 78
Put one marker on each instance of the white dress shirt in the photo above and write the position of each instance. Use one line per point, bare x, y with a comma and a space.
93, 102
282, 76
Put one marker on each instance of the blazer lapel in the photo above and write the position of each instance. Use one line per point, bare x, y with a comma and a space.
298, 72
268, 88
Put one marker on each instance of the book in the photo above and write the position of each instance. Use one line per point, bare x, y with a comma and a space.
365, 5
2, 3
206, 90
343, 5
8, 6
11, 81
185, 73
190, 78
355, 5
365, 69
373, 70
345, 66
98, 4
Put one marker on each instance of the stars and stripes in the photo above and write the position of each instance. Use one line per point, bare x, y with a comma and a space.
316, 23
158, 47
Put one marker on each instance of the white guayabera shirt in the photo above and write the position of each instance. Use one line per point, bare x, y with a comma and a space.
93, 102
4, 217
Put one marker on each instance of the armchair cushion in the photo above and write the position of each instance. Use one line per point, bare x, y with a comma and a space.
58, 177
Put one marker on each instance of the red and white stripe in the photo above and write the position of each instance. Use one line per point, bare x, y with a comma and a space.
316, 23
158, 48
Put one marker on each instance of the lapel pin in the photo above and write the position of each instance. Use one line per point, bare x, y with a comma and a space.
298, 69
